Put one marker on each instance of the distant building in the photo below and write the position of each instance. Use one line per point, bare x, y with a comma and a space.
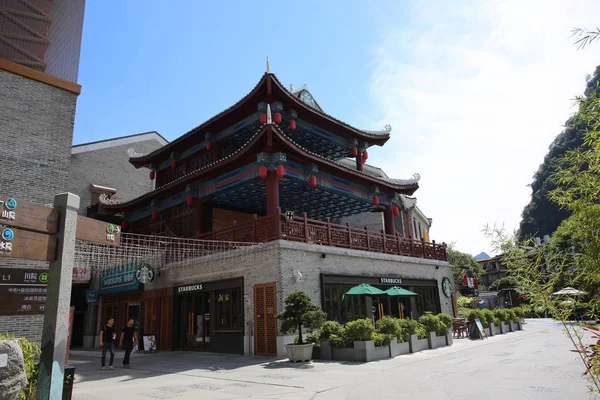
494, 270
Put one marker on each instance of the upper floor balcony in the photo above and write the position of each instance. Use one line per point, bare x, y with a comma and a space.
303, 229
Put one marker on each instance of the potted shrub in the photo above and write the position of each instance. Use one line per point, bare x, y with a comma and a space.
300, 312
436, 330
391, 329
504, 317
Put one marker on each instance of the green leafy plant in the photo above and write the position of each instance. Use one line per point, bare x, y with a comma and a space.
446, 319
487, 318
433, 324
472, 315
512, 315
465, 302
502, 314
408, 327
330, 328
421, 331
31, 357
381, 339
300, 312
359, 330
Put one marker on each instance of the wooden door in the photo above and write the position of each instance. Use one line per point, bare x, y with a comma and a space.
265, 319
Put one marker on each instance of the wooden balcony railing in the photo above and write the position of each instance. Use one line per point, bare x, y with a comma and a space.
302, 229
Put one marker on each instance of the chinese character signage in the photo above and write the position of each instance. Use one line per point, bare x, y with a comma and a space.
93, 230
118, 280
23, 291
27, 215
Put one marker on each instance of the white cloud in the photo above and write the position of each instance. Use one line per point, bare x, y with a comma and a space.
475, 94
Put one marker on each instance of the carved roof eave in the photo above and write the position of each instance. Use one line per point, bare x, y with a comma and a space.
408, 186
375, 137
142, 161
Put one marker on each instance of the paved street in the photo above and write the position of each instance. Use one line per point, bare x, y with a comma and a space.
532, 364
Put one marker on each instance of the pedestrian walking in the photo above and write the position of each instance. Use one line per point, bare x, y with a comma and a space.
108, 336
128, 341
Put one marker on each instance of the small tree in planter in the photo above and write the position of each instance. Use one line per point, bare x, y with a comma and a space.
300, 312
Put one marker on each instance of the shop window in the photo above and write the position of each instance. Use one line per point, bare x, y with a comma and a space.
228, 307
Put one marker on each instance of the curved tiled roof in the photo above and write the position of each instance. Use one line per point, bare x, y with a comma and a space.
379, 135
398, 184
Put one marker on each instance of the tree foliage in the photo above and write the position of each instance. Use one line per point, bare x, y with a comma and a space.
571, 260
300, 312
460, 263
542, 216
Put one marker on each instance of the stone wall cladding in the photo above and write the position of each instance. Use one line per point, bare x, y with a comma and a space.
110, 167
36, 131
372, 221
309, 261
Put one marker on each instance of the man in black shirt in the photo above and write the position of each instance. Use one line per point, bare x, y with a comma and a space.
107, 342
128, 341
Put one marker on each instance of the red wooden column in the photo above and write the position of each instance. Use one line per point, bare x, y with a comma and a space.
388, 221
272, 184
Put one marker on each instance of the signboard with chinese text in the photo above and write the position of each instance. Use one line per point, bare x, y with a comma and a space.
81, 274
24, 244
27, 215
93, 230
119, 280
23, 291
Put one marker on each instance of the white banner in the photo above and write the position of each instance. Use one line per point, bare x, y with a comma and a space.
81, 274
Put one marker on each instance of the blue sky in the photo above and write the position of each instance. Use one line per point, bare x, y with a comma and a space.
475, 91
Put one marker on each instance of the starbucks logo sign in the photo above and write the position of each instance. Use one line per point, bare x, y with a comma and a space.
446, 287
144, 274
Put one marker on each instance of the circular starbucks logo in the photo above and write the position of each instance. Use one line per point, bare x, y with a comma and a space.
144, 274
446, 287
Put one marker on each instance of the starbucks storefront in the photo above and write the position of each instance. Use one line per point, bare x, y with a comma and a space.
209, 316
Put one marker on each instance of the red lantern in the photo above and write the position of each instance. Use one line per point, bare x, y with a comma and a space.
354, 151
189, 200
154, 215
173, 164
365, 155
208, 146
124, 224
262, 172
312, 181
279, 171
375, 200
263, 118
152, 175
292, 124
395, 210
277, 118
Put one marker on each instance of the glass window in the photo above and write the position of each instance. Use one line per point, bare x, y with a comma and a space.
228, 309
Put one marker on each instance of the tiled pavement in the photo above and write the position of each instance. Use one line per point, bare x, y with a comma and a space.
532, 364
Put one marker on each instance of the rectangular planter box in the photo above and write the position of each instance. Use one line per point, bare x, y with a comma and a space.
514, 326
504, 327
488, 332
397, 349
345, 354
436, 341
366, 351
520, 323
449, 339
494, 329
418, 344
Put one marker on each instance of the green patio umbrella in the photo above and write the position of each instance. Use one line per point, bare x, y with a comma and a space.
363, 289
398, 291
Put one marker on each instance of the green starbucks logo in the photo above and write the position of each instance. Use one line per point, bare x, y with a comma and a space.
447, 287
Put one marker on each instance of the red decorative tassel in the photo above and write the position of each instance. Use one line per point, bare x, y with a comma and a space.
189, 200
375, 200
154, 215
279, 171
152, 175
312, 181
262, 172
354, 151
277, 118
292, 124
124, 224
208, 146
263, 118
173, 164
395, 210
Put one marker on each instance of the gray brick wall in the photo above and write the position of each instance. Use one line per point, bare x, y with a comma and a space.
110, 167
36, 130
371, 220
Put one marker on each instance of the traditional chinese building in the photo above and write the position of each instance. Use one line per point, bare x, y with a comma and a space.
274, 168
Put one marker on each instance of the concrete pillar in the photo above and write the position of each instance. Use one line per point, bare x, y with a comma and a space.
58, 301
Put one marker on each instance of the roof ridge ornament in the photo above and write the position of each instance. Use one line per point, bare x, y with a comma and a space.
268, 66
269, 118
385, 131
133, 154
291, 87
